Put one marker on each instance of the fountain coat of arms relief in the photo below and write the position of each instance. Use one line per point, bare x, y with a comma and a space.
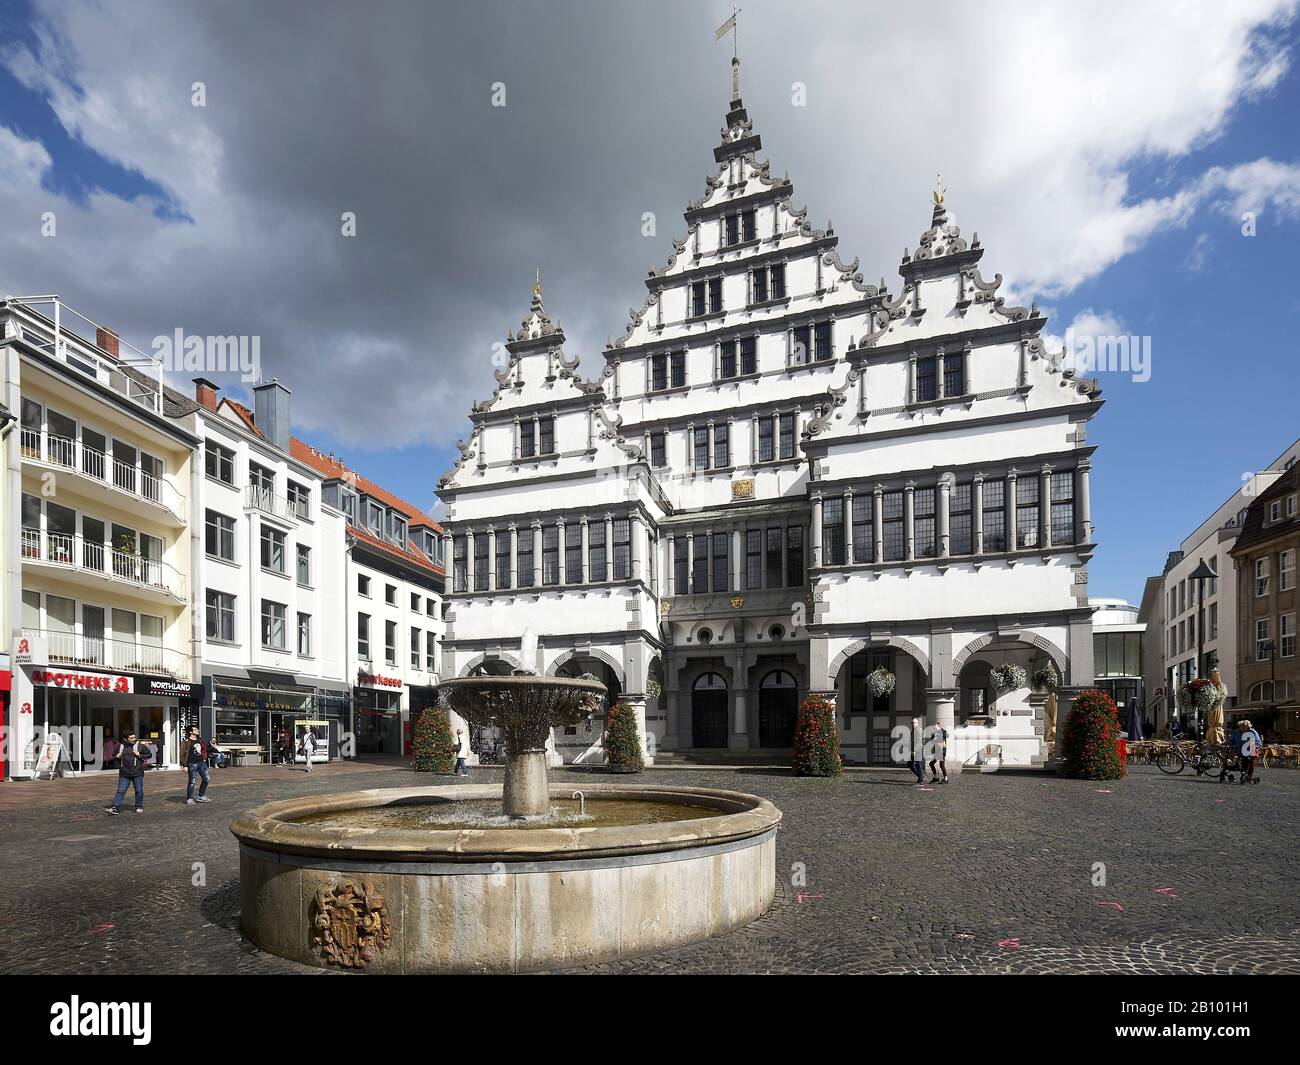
349, 926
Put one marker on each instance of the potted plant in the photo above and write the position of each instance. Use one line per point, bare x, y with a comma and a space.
622, 740
1045, 679
817, 739
880, 682
1008, 677
1090, 741
432, 748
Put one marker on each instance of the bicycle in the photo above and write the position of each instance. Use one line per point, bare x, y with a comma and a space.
1205, 759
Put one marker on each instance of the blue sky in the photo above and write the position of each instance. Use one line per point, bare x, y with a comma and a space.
1221, 310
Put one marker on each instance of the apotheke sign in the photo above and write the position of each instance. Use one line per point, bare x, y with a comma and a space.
118, 683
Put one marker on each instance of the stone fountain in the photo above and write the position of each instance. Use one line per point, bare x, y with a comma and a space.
519, 877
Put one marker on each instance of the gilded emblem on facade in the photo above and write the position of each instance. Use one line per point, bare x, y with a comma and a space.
349, 927
742, 489
665, 607
737, 601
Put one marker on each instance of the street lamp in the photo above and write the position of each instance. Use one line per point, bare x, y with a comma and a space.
1200, 575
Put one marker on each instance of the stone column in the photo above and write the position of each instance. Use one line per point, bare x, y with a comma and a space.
815, 548
608, 575
584, 566
561, 553
878, 521
1009, 510
737, 559
449, 559
514, 555
1083, 502
938, 374
945, 491
633, 546
469, 564
941, 710
977, 513
738, 739
1045, 505
670, 567
537, 552
909, 518
690, 563
848, 526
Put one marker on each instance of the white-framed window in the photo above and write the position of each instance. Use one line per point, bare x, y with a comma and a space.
1286, 570
390, 594
1290, 506
415, 647
304, 635
363, 637
300, 499
219, 462
273, 625
1261, 577
1286, 635
375, 518
1261, 640
304, 565
219, 535
363, 585
430, 651
220, 616
390, 642
1275, 511
273, 549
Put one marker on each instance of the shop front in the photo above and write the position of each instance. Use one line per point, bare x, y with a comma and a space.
264, 722
377, 705
89, 710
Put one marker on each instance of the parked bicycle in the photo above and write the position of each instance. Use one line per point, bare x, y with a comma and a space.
1204, 758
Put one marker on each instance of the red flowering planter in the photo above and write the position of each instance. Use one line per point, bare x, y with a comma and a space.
1091, 744
817, 739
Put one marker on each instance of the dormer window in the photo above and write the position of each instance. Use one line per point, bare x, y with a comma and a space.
399, 530
350, 507
740, 227
375, 518
737, 356
706, 297
1275, 511
767, 283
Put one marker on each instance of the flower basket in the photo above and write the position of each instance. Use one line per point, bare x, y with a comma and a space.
1202, 693
1046, 679
1008, 677
880, 682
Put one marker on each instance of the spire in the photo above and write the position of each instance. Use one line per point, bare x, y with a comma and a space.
537, 323
735, 81
940, 215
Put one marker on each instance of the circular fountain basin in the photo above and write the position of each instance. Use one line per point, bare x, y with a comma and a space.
333, 880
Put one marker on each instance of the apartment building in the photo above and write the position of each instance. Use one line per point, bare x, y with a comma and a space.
100, 483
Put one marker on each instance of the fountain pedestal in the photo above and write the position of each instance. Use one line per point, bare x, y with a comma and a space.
526, 793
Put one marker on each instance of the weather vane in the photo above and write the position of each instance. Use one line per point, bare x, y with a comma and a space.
730, 24
939, 190
537, 285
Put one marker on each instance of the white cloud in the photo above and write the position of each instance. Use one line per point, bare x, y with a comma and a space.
1037, 114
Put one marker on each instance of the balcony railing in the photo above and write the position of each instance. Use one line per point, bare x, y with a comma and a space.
91, 556
49, 324
72, 454
125, 656
263, 499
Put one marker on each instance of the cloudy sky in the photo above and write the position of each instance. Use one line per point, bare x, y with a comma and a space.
1104, 152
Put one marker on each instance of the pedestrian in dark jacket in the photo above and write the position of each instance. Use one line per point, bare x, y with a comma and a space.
194, 757
134, 755
917, 750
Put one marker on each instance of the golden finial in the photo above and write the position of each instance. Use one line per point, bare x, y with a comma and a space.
537, 285
939, 190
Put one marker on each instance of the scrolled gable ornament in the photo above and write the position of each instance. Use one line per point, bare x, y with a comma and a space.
349, 926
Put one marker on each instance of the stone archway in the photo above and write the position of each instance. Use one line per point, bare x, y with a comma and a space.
897, 642
484, 659
1030, 639
599, 656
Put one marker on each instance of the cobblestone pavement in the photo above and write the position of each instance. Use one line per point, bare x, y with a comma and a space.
992, 874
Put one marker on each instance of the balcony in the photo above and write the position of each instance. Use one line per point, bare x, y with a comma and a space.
128, 485
51, 326
282, 507
148, 576
102, 652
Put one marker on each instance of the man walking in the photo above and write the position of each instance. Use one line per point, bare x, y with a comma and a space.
462, 751
133, 756
194, 757
917, 739
308, 746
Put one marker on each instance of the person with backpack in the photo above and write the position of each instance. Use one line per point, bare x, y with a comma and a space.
133, 755
308, 746
1246, 742
194, 757
939, 756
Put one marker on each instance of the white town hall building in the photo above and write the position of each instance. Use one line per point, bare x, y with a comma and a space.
782, 478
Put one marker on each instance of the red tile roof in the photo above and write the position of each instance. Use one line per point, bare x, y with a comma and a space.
333, 469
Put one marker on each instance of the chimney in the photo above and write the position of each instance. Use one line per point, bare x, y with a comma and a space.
205, 393
107, 340
271, 412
